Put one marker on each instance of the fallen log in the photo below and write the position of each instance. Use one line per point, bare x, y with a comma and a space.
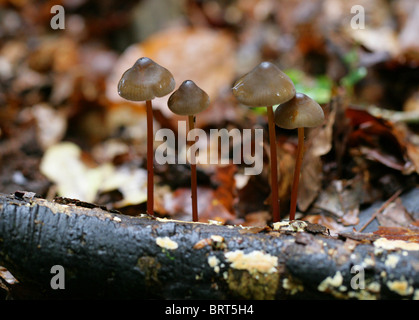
104, 254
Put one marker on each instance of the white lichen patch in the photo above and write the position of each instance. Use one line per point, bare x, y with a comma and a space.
331, 282
216, 222
166, 243
386, 244
217, 238
374, 287
254, 262
416, 295
362, 295
368, 262
292, 286
392, 260
401, 287
292, 226
213, 262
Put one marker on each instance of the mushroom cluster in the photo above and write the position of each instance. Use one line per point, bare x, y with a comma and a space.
264, 86
146, 80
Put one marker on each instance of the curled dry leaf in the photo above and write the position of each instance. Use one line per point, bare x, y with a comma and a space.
380, 140
395, 215
342, 199
328, 222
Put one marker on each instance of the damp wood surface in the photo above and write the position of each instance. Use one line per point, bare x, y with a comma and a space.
109, 255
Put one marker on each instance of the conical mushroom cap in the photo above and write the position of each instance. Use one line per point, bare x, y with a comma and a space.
145, 80
266, 85
301, 111
188, 99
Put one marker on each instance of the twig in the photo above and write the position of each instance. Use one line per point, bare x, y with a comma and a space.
385, 205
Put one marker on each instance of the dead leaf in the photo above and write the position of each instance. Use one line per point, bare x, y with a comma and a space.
395, 215
398, 233
379, 140
178, 205
328, 222
342, 199
199, 54
226, 191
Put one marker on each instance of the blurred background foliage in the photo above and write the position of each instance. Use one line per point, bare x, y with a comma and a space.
65, 131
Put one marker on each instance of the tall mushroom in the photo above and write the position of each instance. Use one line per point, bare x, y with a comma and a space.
265, 86
188, 100
299, 112
144, 81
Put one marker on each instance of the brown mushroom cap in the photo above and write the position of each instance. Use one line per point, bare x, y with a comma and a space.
145, 80
188, 99
301, 111
266, 85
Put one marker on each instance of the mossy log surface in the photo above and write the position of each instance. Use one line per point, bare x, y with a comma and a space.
109, 255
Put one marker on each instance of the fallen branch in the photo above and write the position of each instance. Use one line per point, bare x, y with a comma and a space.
109, 255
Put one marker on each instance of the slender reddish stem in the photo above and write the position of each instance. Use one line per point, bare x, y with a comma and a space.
298, 162
150, 159
191, 120
274, 169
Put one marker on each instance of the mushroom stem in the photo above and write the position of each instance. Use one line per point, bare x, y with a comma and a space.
274, 170
191, 120
298, 162
150, 159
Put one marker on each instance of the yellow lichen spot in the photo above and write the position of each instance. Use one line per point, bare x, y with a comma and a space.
330, 282
213, 262
280, 224
401, 287
292, 286
166, 243
392, 260
395, 244
368, 262
374, 287
217, 238
255, 261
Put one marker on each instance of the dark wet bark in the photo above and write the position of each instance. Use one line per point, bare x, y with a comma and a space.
108, 255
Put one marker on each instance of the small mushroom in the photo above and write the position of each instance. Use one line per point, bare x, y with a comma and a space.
188, 100
144, 81
299, 112
265, 86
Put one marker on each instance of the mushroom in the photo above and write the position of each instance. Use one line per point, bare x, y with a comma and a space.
188, 100
144, 81
299, 112
265, 86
